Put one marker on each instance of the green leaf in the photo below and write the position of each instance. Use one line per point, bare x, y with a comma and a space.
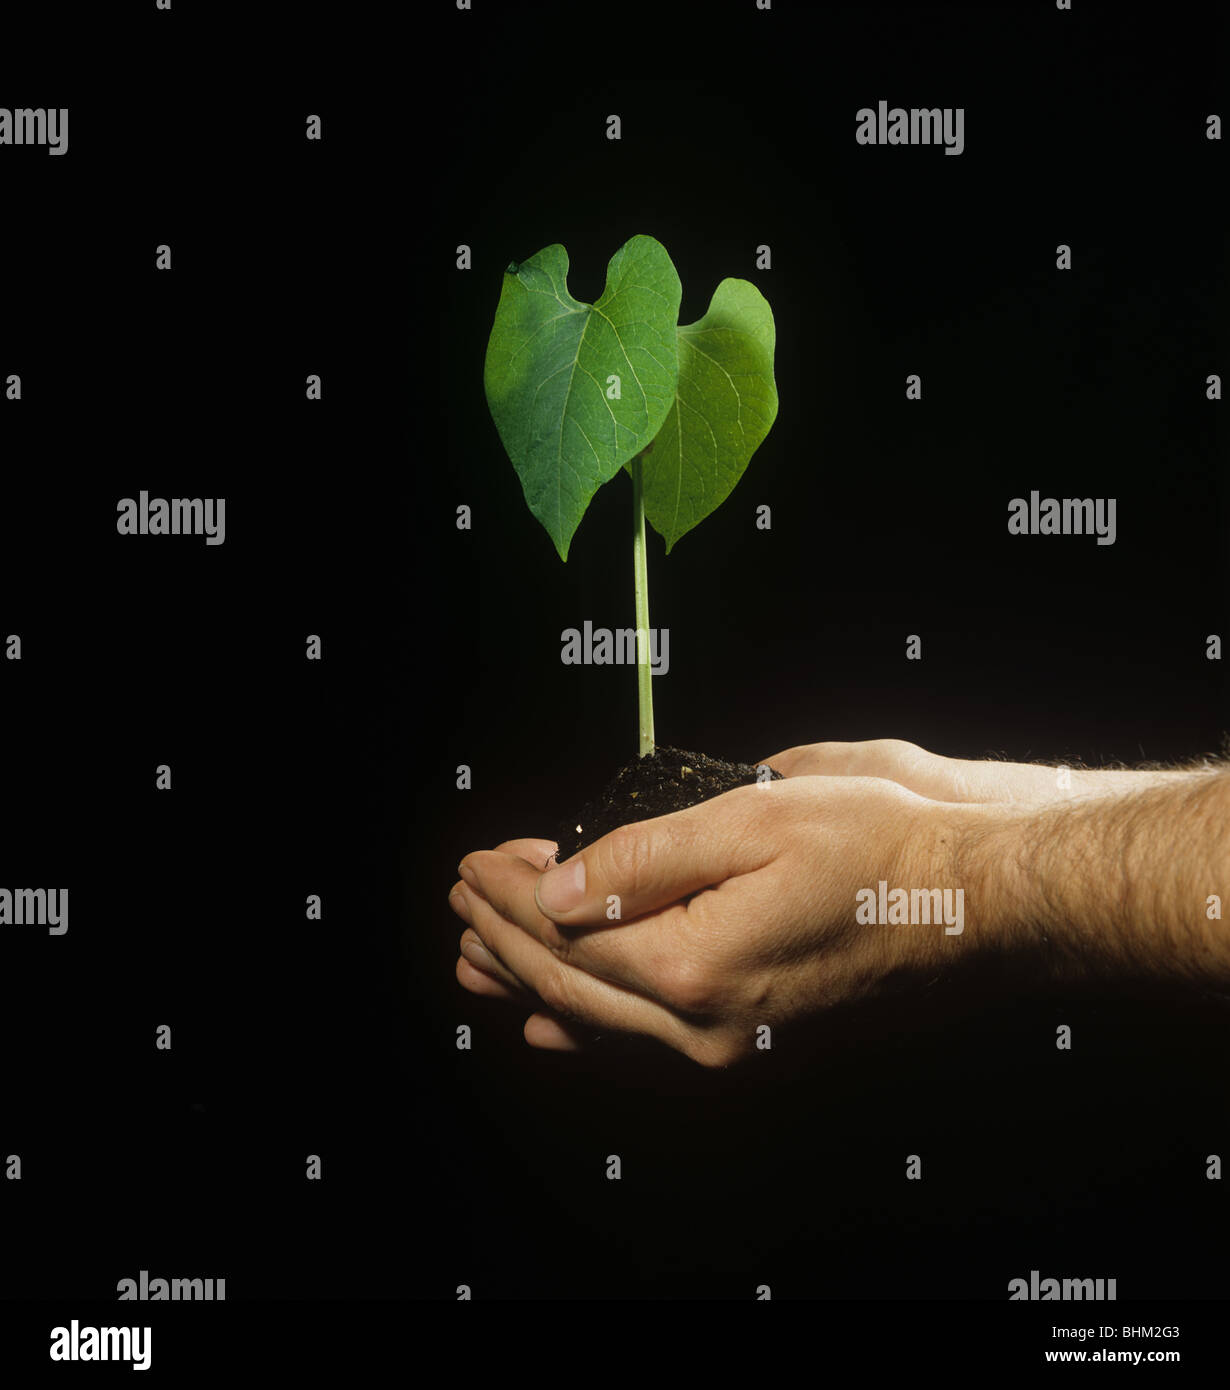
726, 402
549, 361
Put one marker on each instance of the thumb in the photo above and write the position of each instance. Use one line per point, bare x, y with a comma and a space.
652, 863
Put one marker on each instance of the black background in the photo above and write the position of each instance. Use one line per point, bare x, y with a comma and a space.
487, 1167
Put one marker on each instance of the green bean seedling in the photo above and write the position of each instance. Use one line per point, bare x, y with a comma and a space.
579, 392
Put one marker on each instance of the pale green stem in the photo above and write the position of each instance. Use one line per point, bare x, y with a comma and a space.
644, 676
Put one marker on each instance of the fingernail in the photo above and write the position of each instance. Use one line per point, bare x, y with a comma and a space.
479, 957
464, 871
457, 901
562, 888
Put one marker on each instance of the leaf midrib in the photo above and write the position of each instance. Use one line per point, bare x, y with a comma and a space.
587, 310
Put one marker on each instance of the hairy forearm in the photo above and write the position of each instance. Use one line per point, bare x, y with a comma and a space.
1117, 884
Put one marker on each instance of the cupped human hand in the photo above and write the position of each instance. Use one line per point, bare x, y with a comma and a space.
699, 927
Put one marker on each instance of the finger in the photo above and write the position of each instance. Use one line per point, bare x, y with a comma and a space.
538, 852
786, 762
917, 769
636, 956
473, 951
555, 1035
479, 982
571, 994
649, 864
891, 759
462, 900
866, 758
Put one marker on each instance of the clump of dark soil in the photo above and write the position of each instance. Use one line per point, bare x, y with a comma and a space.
668, 779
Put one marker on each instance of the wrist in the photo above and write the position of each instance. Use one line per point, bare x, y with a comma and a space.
979, 849
1062, 888
957, 862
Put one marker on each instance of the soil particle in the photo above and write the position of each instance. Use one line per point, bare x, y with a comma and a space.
668, 779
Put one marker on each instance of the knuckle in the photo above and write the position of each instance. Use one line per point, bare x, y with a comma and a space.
688, 985
887, 747
716, 1050
556, 941
756, 817
625, 861
828, 751
747, 811
553, 994
897, 750
556, 994
798, 755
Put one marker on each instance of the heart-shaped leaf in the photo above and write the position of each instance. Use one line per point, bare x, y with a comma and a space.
576, 390
725, 403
